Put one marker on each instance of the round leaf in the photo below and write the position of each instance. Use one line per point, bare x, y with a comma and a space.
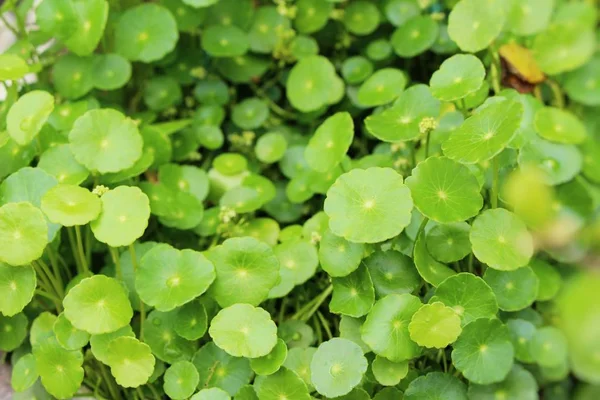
434, 325
270, 364
337, 367
501, 240
105, 141
332, 139
283, 384
458, 76
474, 25
60, 369
244, 331
70, 205
146, 32
449, 242
168, 278
98, 305
23, 233
181, 379
27, 116
131, 361
436, 385
559, 126
124, 216
444, 190
483, 352
514, 290
17, 285
385, 330
368, 206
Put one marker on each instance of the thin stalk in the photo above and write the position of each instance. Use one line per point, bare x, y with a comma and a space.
422, 227
142, 309
51, 297
154, 392
55, 284
427, 139
114, 391
413, 154
325, 324
73, 243
272, 105
114, 254
470, 263
9, 26
557, 93
82, 256
88, 246
495, 179
55, 267
319, 300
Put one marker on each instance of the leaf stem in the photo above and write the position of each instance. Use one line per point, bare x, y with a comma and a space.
53, 280
142, 309
316, 303
114, 254
427, 139
421, 228
82, 256
73, 243
495, 178
325, 324
272, 105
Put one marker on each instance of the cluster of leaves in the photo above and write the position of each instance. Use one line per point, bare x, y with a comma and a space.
350, 199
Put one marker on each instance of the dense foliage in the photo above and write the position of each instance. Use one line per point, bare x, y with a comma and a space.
295, 200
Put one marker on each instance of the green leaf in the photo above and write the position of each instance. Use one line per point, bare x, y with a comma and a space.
12, 67
548, 346
401, 121
559, 163
211, 394
435, 325
368, 206
24, 373
27, 116
105, 141
483, 353
99, 343
181, 380
449, 242
457, 77
563, 47
17, 285
415, 36
514, 290
298, 360
312, 15
272, 362
131, 361
244, 331
429, 268
98, 304
559, 126
92, 16
168, 278
361, 18
124, 216
309, 82
469, 296
521, 333
60, 370
160, 335
241, 263
501, 240
529, 17
383, 87
485, 134
353, 294
436, 384
392, 272
67, 335
298, 262
385, 330
250, 113
356, 69
70, 205
41, 328
337, 367
191, 320
444, 190
270, 147
582, 84
389, 373
59, 162
146, 33
337, 256
474, 25
23, 233
519, 384
218, 369
550, 279
296, 333
14, 331
283, 384
225, 41
330, 142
